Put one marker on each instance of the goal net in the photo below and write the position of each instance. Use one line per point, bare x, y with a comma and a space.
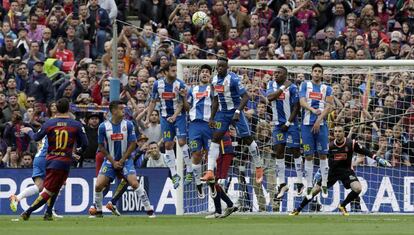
373, 100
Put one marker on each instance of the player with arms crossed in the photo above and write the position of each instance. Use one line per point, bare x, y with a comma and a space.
341, 151
285, 106
198, 102
230, 98
38, 176
316, 100
63, 134
117, 140
173, 118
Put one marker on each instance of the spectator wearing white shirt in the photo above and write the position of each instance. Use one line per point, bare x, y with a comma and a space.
154, 157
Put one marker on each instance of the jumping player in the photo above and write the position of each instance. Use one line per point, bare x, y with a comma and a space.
116, 140
38, 176
285, 106
173, 120
341, 151
223, 165
317, 101
198, 103
230, 98
63, 133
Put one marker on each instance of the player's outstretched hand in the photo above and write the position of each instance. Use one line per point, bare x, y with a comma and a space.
212, 124
383, 162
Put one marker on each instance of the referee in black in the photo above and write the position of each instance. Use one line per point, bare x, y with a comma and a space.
341, 151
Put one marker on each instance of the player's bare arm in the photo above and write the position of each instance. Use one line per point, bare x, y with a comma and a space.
295, 111
103, 150
243, 103
183, 94
214, 108
151, 108
176, 113
305, 105
275, 95
322, 116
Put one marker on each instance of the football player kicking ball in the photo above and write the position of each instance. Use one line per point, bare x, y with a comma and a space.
218, 193
116, 140
230, 98
341, 151
38, 176
198, 102
285, 106
62, 134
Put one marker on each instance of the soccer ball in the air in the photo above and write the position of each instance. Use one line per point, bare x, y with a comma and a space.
200, 18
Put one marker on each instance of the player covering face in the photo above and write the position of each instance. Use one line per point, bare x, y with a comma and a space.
341, 151
117, 140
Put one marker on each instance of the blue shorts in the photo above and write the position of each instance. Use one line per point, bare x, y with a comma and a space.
315, 142
170, 130
290, 138
109, 171
199, 135
39, 167
223, 120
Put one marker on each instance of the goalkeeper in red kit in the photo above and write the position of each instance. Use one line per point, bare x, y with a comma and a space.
63, 135
222, 169
341, 151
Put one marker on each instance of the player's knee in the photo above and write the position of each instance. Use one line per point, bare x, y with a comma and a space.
99, 187
309, 157
295, 152
280, 151
135, 185
169, 145
196, 157
323, 156
356, 187
182, 142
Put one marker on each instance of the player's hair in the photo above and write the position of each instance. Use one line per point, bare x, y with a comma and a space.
152, 142
113, 105
206, 66
283, 68
222, 59
62, 105
169, 65
317, 66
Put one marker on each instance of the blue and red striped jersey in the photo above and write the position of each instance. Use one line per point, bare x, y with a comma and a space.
226, 144
63, 135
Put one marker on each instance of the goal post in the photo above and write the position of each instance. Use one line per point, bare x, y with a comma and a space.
375, 180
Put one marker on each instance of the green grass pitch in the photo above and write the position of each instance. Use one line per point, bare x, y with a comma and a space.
197, 225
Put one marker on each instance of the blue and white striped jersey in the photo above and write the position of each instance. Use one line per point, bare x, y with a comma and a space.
200, 99
168, 94
42, 148
315, 96
229, 91
116, 137
283, 106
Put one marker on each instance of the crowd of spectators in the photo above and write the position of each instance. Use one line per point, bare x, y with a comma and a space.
53, 49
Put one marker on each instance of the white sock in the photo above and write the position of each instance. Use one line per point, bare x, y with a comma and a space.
254, 152
212, 156
197, 173
170, 161
280, 171
187, 160
98, 200
142, 194
323, 164
309, 172
27, 192
299, 170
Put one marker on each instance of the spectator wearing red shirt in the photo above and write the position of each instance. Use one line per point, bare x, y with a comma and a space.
233, 44
60, 52
255, 35
265, 14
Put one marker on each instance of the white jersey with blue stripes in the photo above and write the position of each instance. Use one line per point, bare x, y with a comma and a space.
168, 94
42, 148
229, 91
116, 137
282, 107
200, 99
315, 95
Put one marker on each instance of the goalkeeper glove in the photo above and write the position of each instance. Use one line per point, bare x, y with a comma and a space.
383, 162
